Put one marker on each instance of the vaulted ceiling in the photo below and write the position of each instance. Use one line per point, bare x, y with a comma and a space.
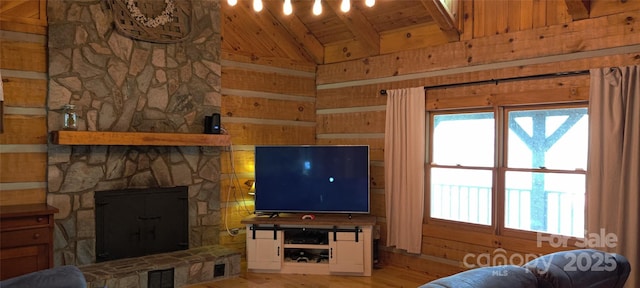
335, 36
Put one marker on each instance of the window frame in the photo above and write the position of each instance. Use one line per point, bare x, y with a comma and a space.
450, 228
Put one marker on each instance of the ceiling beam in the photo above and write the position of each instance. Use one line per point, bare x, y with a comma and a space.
275, 31
358, 25
443, 18
578, 9
303, 37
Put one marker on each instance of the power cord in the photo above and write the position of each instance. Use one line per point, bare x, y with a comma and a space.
235, 182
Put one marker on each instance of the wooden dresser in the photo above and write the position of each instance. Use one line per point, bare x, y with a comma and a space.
26, 239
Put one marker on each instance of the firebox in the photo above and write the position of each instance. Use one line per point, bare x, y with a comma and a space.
138, 222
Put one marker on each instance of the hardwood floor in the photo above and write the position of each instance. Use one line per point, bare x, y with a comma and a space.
387, 276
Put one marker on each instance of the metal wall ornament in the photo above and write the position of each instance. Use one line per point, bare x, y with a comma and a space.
167, 21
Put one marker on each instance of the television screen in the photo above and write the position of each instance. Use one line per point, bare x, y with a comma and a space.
313, 179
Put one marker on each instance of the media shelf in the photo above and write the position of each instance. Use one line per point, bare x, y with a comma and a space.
328, 244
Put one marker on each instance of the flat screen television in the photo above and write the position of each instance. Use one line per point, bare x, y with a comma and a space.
312, 179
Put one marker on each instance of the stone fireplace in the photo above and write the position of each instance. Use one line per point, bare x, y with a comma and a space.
121, 84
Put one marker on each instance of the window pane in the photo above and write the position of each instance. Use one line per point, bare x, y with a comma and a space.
461, 195
545, 202
464, 139
552, 138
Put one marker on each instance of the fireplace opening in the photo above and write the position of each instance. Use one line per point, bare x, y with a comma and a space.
139, 222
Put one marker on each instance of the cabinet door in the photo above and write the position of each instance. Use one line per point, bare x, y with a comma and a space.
264, 252
345, 254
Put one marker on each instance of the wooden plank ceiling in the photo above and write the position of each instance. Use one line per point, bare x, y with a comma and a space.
335, 36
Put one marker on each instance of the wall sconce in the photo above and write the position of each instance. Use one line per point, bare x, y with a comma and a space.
251, 184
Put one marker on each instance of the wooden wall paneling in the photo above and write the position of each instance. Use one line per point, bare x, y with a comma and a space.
29, 16
234, 242
412, 38
450, 249
557, 13
22, 92
352, 96
344, 51
243, 161
23, 167
526, 14
465, 19
377, 176
539, 14
23, 196
21, 129
550, 90
514, 17
579, 36
377, 203
263, 108
234, 213
502, 17
239, 191
376, 145
259, 134
601, 8
24, 56
272, 82
479, 19
270, 61
491, 16
547, 96
357, 122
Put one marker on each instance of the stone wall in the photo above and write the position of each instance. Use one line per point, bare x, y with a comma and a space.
122, 84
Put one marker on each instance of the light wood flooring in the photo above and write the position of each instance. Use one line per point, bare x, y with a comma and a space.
387, 276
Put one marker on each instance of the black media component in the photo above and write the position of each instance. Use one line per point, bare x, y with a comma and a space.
212, 124
215, 123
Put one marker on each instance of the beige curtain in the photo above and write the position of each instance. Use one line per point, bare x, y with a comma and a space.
613, 184
404, 154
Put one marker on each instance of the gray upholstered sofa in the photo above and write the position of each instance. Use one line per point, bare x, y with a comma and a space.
582, 268
58, 277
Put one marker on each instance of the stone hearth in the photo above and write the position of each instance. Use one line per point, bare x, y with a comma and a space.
191, 266
121, 84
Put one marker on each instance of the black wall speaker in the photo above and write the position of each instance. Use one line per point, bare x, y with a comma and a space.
212, 124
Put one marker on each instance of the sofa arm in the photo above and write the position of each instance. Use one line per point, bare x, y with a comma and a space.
58, 277
487, 277
584, 268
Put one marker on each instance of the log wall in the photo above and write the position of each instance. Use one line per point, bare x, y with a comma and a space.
23, 143
261, 105
351, 110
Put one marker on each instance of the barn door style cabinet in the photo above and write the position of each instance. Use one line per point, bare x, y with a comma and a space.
328, 244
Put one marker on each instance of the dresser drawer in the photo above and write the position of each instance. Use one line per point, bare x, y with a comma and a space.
21, 222
24, 237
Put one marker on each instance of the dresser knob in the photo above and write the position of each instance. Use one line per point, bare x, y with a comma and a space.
40, 219
36, 235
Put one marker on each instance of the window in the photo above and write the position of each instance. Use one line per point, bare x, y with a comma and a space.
531, 160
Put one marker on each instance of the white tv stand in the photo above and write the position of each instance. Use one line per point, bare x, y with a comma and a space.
328, 244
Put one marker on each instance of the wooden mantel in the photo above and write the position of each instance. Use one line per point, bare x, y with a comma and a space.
64, 137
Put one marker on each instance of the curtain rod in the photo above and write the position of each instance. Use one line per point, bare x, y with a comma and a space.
496, 81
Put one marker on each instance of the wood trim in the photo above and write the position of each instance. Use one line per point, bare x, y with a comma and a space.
138, 138
444, 19
578, 9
